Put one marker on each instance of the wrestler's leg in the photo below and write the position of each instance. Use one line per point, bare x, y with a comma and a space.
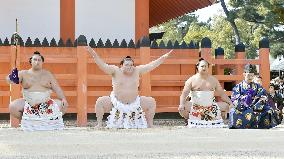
103, 105
224, 107
185, 113
148, 105
16, 108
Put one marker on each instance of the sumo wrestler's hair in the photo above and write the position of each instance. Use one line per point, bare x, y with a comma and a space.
36, 53
127, 58
197, 64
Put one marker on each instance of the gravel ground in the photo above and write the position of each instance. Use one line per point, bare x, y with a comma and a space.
169, 139
92, 123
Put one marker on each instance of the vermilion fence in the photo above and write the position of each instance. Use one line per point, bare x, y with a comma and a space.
83, 82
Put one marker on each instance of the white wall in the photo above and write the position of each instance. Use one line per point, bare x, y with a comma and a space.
37, 18
113, 19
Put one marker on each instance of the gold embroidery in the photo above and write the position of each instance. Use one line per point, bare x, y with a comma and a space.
239, 122
266, 122
248, 116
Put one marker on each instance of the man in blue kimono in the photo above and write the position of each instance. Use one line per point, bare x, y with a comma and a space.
251, 108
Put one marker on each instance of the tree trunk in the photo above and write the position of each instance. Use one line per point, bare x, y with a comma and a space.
232, 22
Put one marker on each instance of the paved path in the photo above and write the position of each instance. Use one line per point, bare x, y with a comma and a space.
163, 142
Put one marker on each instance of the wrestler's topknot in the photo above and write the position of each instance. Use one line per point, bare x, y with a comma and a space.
126, 58
36, 53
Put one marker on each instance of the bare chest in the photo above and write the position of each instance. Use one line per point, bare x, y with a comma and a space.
36, 80
203, 85
125, 81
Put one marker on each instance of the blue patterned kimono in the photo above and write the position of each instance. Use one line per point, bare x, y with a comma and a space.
249, 110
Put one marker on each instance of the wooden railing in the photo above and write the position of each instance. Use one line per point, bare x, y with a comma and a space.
83, 82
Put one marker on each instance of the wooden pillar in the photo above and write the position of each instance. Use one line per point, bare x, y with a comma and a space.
240, 54
82, 93
141, 18
219, 54
206, 52
67, 19
15, 89
145, 57
264, 69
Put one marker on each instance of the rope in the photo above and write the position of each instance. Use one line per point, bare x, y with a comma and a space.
16, 43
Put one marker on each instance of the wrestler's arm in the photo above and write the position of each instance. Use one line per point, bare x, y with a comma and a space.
185, 92
220, 91
57, 89
8, 80
152, 65
108, 69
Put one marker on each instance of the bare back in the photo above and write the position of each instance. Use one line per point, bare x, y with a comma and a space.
125, 87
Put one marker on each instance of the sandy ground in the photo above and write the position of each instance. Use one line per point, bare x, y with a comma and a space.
163, 141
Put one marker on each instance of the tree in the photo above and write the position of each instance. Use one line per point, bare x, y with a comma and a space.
269, 14
176, 29
252, 20
221, 34
231, 19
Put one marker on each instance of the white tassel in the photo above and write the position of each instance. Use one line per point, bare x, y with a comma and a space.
42, 121
126, 120
205, 99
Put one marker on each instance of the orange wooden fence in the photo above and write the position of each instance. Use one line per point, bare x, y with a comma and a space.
83, 82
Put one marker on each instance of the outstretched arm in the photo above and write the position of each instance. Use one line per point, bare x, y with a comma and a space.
108, 69
152, 65
185, 92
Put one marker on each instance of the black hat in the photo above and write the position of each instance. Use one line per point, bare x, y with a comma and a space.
249, 68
